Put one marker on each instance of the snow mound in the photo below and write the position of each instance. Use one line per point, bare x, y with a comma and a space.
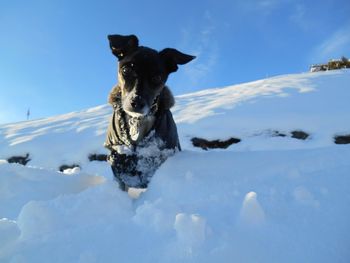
252, 212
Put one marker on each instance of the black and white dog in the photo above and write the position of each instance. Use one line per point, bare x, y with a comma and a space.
142, 132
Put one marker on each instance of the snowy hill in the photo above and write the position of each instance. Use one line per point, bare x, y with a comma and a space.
279, 195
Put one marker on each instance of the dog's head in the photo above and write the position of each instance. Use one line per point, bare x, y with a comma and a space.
142, 72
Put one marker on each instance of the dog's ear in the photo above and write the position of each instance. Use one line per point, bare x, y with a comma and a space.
123, 45
173, 57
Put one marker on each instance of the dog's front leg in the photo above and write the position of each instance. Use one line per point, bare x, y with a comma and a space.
123, 164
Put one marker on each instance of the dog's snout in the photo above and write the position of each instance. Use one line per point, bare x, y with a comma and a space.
137, 102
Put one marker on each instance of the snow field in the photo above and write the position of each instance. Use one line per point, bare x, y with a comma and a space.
294, 211
266, 199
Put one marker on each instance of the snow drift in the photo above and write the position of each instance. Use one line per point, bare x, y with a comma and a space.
269, 198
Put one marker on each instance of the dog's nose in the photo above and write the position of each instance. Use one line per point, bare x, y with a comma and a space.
137, 103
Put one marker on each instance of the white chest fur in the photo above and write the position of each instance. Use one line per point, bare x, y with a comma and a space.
139, 126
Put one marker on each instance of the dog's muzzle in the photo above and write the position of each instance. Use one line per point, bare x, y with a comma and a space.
137, 103
139, 107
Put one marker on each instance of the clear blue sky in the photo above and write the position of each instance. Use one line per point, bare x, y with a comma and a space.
54, 54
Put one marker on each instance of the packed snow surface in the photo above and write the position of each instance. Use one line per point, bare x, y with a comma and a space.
269, 198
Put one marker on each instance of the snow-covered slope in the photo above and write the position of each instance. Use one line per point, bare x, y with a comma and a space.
269, 198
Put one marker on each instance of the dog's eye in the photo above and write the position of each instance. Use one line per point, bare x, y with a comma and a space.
127, 71
157, 79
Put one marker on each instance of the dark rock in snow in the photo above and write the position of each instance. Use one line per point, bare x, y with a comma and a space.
205, 144
342, 139
65, 167
301, 135
19, 159
98, 157
278, 134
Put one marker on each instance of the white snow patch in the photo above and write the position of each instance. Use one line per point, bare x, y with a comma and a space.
72, 171
190, 230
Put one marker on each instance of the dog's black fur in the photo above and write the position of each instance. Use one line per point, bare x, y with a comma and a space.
141, 97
